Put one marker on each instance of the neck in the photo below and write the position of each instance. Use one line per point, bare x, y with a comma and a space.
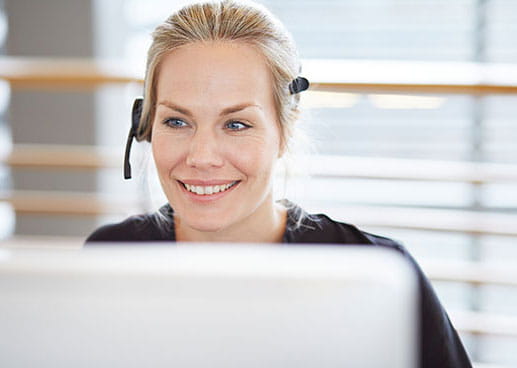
266, 225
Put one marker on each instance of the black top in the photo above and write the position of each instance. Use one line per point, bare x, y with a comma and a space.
440, 345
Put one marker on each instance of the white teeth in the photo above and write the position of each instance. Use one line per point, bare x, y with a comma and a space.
210, 189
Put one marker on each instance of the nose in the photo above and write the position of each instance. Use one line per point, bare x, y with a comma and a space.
204, 151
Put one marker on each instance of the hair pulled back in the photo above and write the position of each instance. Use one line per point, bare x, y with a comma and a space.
230, 21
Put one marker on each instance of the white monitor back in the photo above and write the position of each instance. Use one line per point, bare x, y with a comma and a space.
208, 306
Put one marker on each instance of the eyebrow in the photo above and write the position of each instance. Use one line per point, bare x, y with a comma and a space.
225, 111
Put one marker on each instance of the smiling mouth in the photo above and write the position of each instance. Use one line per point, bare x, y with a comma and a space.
209, 189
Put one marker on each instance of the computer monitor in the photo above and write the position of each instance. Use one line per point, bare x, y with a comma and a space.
211, 305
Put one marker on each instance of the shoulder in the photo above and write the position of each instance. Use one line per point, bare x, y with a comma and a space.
157, 226
320, 228
440, 344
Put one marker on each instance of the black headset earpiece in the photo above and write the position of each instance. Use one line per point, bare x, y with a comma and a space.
299, 84
136, 114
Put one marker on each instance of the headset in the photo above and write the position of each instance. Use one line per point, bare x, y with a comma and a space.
136, 114
299, 84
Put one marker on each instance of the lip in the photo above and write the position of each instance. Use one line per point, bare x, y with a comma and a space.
206, 197
206, 182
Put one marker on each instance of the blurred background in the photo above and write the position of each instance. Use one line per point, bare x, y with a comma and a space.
412, 115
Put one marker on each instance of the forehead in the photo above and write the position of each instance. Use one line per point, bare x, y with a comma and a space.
215, 72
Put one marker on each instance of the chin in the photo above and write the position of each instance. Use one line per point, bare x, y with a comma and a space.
205, 226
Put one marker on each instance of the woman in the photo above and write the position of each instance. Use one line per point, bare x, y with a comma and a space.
220, 104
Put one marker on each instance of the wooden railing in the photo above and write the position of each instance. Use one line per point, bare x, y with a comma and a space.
59, 74
63, 157
411, 77
325, 75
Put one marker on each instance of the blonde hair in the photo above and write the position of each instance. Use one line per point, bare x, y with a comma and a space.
227, 20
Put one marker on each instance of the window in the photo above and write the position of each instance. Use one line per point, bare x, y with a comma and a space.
422, 127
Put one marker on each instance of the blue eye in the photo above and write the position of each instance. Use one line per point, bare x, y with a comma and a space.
175, 123
236, 125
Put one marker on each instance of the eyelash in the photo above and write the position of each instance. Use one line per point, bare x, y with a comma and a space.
170, 125
169, 120
244, 125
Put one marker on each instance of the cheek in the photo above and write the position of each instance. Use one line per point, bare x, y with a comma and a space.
165, 153
254, 157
